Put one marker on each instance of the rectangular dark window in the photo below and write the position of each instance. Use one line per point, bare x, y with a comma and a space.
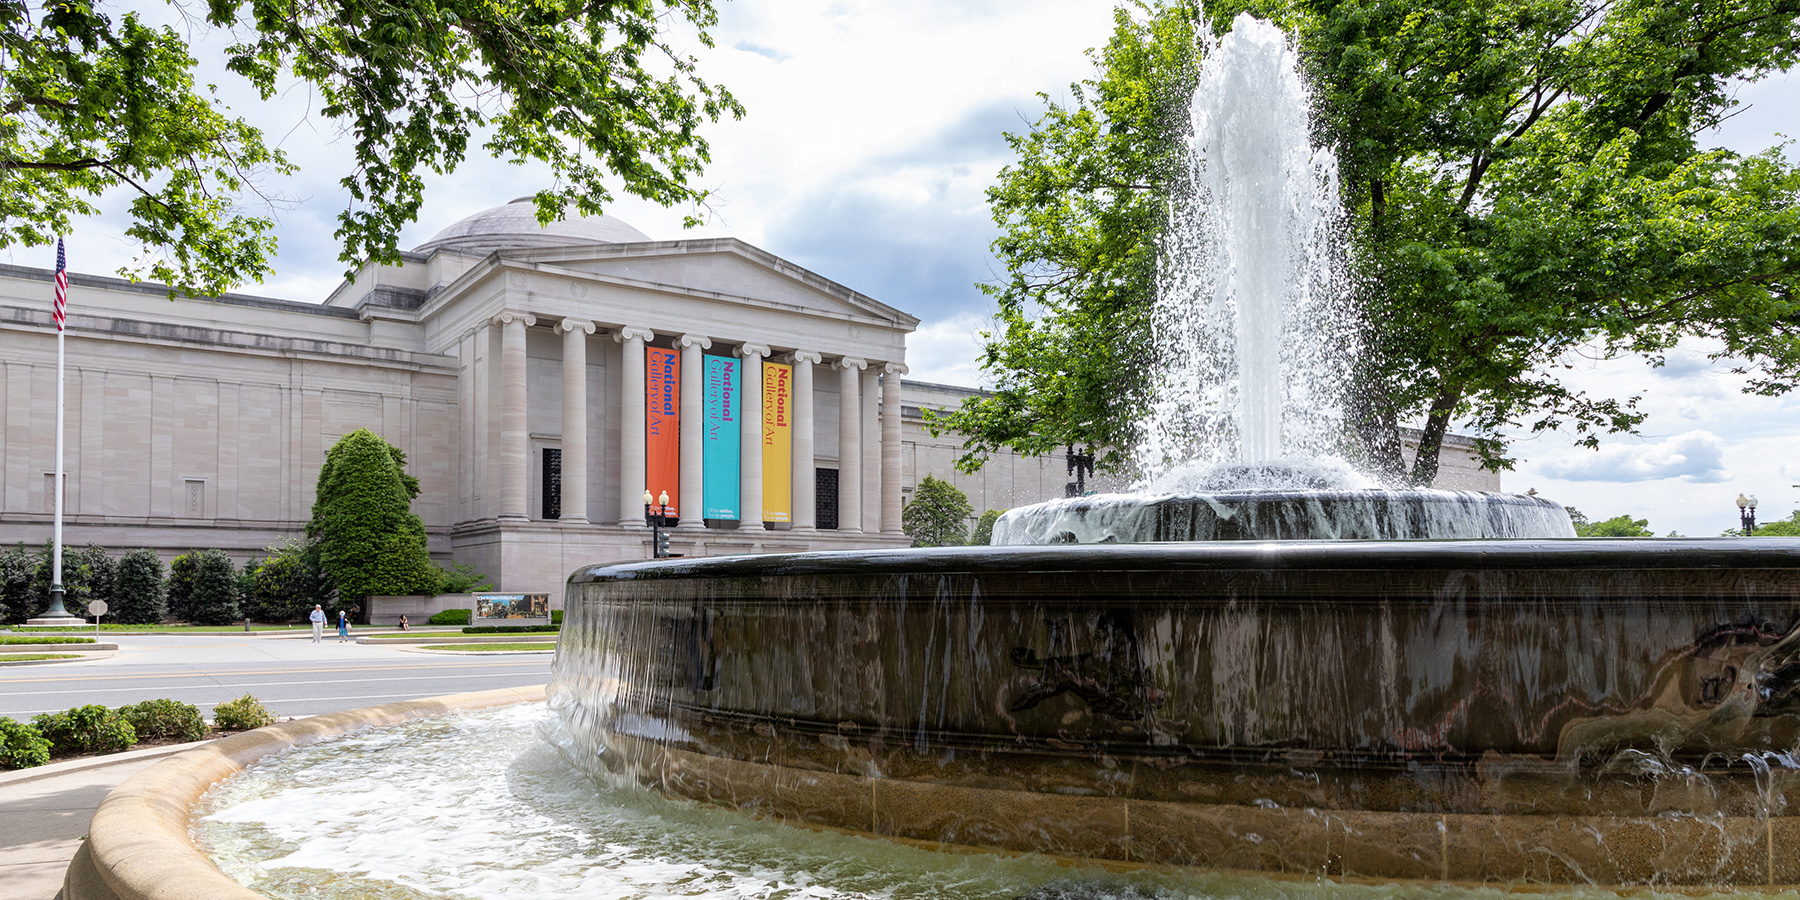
825, 488
552, 483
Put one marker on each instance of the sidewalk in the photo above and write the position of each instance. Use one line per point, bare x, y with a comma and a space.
47, 810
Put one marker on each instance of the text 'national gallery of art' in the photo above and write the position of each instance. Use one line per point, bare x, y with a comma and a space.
539, 379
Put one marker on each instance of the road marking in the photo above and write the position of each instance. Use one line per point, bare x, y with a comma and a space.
324, 669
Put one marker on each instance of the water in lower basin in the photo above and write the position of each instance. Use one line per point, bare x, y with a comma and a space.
481, 805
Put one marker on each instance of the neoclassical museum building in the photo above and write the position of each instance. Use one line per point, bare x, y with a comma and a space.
540, 380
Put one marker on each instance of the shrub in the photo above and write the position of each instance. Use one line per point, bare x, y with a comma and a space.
451, 617
461, 578
21, 745
242, 714
510, 629
938, 515
139, 589
369, 540
287, 583
86, 729
156, 719
984, 528
18, 639
556, 617
213, 590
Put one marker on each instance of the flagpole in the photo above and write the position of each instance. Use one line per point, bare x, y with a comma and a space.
56, 610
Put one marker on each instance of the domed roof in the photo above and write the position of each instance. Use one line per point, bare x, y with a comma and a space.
515, 227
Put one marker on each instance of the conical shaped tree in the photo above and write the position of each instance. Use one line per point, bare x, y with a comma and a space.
369, 540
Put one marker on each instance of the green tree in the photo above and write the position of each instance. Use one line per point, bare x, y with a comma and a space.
16, 569
1617, 526
181, 586
938, 515
984, 528
102, 577
1525, 182
287, 582
139, 589
213, 590
76, 575
1788, 527
96, 99
369, 541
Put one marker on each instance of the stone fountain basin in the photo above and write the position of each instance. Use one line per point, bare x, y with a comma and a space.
1561, 711
139, 845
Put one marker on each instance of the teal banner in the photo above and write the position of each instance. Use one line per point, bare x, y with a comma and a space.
720, 492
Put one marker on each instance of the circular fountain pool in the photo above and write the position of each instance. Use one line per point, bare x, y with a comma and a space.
482, 805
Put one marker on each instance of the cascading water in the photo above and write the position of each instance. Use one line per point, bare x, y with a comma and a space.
1253, 335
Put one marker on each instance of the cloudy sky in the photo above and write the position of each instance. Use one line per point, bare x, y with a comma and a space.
873, 127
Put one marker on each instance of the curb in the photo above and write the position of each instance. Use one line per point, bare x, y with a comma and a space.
138, 847
52, 770
76, 657
431, 652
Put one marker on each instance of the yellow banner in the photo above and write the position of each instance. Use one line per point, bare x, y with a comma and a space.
778, 442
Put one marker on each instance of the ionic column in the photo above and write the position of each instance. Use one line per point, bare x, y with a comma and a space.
514, 453
574, 419
750, 436
850, 445
692, 430
631, 427
890, 447
805, 498
871, 447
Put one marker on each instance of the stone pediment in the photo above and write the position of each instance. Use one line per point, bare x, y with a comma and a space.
725, 269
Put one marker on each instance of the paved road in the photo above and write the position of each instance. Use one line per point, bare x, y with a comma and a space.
291, 675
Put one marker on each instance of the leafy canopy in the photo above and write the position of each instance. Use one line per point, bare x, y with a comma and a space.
1526, 182
95, 100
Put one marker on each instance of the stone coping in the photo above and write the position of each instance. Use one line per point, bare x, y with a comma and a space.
138, 846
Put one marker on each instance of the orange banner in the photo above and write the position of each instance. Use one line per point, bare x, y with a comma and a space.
662, 426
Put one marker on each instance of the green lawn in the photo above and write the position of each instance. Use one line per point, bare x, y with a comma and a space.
47, 639
23, 657
489, 648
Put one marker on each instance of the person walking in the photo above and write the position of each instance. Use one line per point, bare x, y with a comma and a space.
343, 627
318, 622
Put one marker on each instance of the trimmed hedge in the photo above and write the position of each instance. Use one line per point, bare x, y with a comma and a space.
556, 617
511, 629
451, 617
155, 719
21, 745
14, 639
86, 729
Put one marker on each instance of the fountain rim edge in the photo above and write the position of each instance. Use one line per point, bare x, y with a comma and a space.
1595, 554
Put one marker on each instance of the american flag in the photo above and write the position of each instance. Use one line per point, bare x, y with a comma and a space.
62, 286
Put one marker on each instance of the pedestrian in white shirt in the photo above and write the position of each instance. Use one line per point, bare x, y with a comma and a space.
318, 622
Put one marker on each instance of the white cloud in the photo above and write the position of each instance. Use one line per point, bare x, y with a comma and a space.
1696, 456
947, 351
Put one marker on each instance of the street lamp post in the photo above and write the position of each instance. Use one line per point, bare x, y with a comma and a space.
657, 517
1747, 513
1081, 465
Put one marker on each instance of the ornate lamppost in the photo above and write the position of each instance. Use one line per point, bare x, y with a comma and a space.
1081, 465
657, 517
1747, 513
